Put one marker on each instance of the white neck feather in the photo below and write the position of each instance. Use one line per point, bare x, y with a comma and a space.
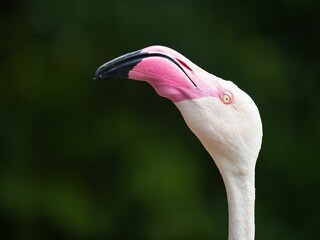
240, 188
241, 197
234, 156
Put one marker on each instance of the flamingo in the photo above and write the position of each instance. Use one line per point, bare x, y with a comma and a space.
222, 116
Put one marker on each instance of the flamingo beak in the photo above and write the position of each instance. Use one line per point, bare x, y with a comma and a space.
171, 75
121, 66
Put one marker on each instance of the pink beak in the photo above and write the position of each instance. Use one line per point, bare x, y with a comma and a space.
171, 74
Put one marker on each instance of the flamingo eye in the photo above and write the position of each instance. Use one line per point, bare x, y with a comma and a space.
226, 97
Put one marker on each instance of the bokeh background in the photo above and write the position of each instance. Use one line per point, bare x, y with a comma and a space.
82, 159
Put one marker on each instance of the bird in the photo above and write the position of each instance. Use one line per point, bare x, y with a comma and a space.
222, 116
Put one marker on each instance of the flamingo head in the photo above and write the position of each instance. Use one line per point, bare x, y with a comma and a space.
222, 116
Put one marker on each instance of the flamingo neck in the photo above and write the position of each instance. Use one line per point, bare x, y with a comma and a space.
236, 164
241, 197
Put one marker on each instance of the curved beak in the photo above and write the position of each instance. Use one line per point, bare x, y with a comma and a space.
172, 75
121, 66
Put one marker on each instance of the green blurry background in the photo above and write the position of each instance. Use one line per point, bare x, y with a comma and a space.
112, 160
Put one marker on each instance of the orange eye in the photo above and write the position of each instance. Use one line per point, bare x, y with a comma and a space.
226, 97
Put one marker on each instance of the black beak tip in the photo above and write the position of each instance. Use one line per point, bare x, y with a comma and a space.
119, 67
98, 77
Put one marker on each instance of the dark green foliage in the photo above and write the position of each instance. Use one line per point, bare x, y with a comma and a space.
81, 159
